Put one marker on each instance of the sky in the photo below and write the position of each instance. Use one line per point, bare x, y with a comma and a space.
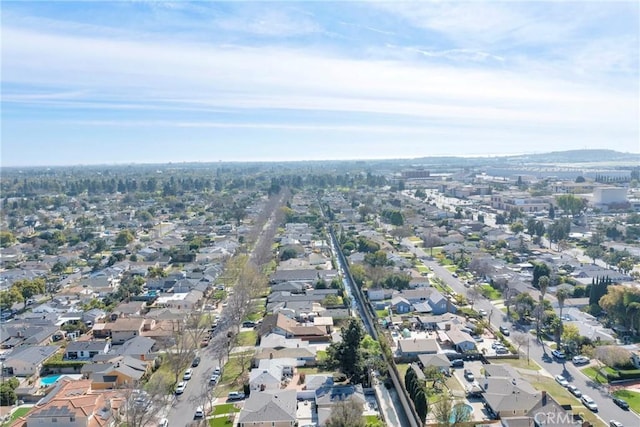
157, 81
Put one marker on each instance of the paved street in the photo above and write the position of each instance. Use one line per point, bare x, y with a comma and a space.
607, 409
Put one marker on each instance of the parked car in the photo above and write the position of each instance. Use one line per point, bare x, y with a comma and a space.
562, 380
163, 423
180, 387
502, 350
235, 395
482, 312
468, 375
187, 374
214, 378
559, 354
589, 403
457, 363
505, 331
574, 390
199, 412
217, 370
195, 362
580, 360
614, 423
621, 403
248, 324
454, 274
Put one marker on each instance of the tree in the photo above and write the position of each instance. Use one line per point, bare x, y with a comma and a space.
10, 297
517, 227
347, 354
521, 340
288, 253
346, 413
561, 296
448, 412
124, 238
539, 269
7, 238
431, 241
143, 401
460, 413
420, 402
8, 394
571, 204
613, 355
594, 252
377, 259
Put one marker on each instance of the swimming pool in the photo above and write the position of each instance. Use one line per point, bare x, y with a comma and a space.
50, 379
463, 408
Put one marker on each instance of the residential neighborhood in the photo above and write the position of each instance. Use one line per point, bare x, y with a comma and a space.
244, 296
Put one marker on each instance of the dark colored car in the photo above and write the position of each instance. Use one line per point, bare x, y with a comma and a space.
195, 362
621, 403
458, 363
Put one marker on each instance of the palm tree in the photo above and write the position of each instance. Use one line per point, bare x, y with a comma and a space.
561, 296
543, 284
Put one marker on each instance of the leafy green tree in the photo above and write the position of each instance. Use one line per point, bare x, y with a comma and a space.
347, 354
288, 253
10, 297
377, 259
124, 238
8, 394
571, 204
420, 402
6, 238
594, 252
540, 269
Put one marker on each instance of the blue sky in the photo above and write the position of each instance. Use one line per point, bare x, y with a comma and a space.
156, 81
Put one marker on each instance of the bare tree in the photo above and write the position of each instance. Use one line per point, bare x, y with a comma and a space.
522, 340
143, 403
481, 267
442, 410
431, 241
472, 295
346, 413
180, 349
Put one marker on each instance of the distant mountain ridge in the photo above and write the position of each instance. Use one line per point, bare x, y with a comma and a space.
578, 156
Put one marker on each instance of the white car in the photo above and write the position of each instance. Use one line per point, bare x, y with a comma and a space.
187, 374
163, 423
199, 412
482, 312
180, 387
589, 403
562, 380
214, 378
580, 360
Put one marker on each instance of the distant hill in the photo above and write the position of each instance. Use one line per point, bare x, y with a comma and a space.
578, 156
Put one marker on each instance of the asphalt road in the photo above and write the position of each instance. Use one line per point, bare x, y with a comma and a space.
182, 410
607, 409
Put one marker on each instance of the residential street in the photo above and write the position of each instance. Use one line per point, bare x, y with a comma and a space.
607, 409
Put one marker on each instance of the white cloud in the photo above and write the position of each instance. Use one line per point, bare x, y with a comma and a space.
154, 75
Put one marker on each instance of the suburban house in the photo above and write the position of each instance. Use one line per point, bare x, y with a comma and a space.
115, 373
379, 294
289, 328
269, 408
123, 329
265, 378
326, 397
506, 394
411, 348
400, 305
85, 350
26, 361
439, 360
460, 340
73, 404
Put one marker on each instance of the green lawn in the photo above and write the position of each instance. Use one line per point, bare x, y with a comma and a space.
422, 269
247, 338
220, 422
225, 408
382, 313
592, 373
563, 397
489, 292
232, 375
321, 356
522, 363
17, 414
633, 397
373, 420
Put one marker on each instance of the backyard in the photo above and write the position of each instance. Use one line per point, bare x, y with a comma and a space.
489, 292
